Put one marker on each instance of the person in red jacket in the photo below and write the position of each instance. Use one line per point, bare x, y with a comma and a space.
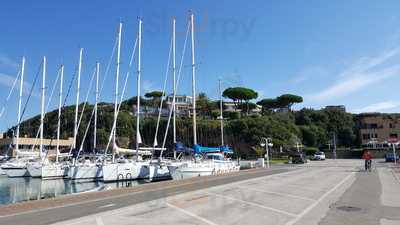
367, 156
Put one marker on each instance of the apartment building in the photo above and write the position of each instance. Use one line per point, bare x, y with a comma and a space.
183, 104
377, 128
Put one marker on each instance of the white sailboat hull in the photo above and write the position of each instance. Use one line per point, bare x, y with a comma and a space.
158, 172
47, 171
203, 168
125, 171
85, 172
34, 170
17, 172
15, 169
54, 171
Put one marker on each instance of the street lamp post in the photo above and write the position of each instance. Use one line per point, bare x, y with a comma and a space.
334, 144
267, 142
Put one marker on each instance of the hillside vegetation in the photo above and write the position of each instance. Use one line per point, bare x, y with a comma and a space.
312, 128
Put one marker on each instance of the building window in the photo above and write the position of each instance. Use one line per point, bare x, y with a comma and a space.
391, 125
366, 136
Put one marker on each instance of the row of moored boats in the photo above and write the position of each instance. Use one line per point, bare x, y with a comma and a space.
118, 163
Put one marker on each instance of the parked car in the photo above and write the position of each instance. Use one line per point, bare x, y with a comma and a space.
390, 157
297, 158
319, 156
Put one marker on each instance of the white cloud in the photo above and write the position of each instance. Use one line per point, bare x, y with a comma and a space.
308, 73
7, 61
383, 106
147, 86
366, 71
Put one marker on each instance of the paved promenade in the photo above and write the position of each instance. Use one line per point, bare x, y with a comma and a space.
326, 193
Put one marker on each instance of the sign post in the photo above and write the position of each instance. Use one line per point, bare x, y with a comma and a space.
267, 143
393, 141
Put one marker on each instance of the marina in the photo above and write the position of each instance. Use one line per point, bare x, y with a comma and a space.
206, 113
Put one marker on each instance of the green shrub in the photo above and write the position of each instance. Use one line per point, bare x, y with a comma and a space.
310, 150
231, 115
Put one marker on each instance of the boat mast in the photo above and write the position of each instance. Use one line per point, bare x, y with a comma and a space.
77, 97
59, 112
42, 106
221, 115
95, 107
117, 87
174, 79
138, 88
193, 82
21, 85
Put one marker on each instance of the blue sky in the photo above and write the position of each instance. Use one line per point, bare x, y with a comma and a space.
336, 52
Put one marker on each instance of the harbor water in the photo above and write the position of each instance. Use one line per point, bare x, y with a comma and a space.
13, 190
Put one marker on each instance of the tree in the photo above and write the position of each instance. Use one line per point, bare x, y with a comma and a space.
154, 94
287, 100
249, 106
313, 136
311, 116
341, 124
205, 105
268, 104
155, 97
240, 94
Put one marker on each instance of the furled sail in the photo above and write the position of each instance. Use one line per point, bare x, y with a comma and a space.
128, 151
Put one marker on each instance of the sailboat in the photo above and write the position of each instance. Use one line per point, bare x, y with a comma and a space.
208, 160
34, 168
18, 167
158, 170
84, 169
4, 158
45, 168
125, 168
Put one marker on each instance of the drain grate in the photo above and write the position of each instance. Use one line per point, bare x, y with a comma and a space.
349, 208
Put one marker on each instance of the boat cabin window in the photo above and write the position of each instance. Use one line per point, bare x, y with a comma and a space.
214, 156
